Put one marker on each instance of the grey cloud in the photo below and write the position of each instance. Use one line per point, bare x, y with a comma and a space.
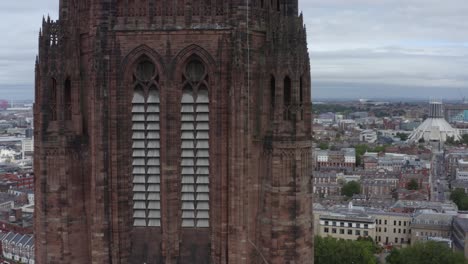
360, 45
357, 46
21, 21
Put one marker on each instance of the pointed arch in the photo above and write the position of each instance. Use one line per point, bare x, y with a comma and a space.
52, 102
194, 51
287, 97
132, 58
67, 95
146, 140
272, 91
195, 72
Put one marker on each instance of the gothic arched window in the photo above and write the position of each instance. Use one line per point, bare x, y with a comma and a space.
287, 97
195, 156
146, 145
68, 100
301, 96
53, 99
272, 91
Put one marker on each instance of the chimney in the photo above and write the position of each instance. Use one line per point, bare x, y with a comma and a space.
18, 213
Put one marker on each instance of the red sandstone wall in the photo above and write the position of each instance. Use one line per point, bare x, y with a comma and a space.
260, 163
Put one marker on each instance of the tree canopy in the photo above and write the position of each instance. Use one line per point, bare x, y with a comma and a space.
333, 251
361, 149
351, 188
323, 145
460, 198
429, 252
402, 136
412, 185
451, 140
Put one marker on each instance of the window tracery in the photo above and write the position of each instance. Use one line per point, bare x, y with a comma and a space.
146, 146
195, 167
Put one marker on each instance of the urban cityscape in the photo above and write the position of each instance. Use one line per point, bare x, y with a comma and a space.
191, 133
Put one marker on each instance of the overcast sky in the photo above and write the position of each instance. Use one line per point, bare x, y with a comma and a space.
358, 48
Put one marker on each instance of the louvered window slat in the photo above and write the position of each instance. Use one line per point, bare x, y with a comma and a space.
188, 179
139, 205
155, 205
146, 159
195, 159
138, 117
139, 222
203, 126
154, 179
154, 197
153, 126
203, 180
138, 144
139, 214
188, 214
154, 222
138, 179
203, 223
153, 188
153, 108
138, 187
188, 223
154, 170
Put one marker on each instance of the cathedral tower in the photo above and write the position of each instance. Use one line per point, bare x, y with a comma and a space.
173, 131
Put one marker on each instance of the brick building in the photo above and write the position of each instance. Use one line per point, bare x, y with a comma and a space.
17, 248
173, 132
340, 160
326, 184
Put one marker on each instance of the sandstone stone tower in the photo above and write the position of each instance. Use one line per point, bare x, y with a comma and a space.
173, 131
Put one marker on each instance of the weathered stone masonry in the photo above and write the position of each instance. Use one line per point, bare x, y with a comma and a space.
215, 170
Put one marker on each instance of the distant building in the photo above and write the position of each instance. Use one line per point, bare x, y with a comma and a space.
460, 234
25, 192
27, 147
345, 223
326, 184
341, 160
452, 158
428, 224
359, 115
409, 125
378, 187
29, 133
393, 228
435, 128
456, 113
462, 170
18, 248
370, 162
407, 206
369, 136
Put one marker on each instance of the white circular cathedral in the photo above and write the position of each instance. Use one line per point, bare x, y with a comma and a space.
435, 127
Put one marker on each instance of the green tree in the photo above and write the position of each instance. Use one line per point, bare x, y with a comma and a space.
323, 145
332, 251
402, 136
421, 140
464, 139
361, 149
412, 185
451, 140
426, 253
351, 188
460, 198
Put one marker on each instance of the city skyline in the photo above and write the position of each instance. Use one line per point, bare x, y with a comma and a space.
358, 49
